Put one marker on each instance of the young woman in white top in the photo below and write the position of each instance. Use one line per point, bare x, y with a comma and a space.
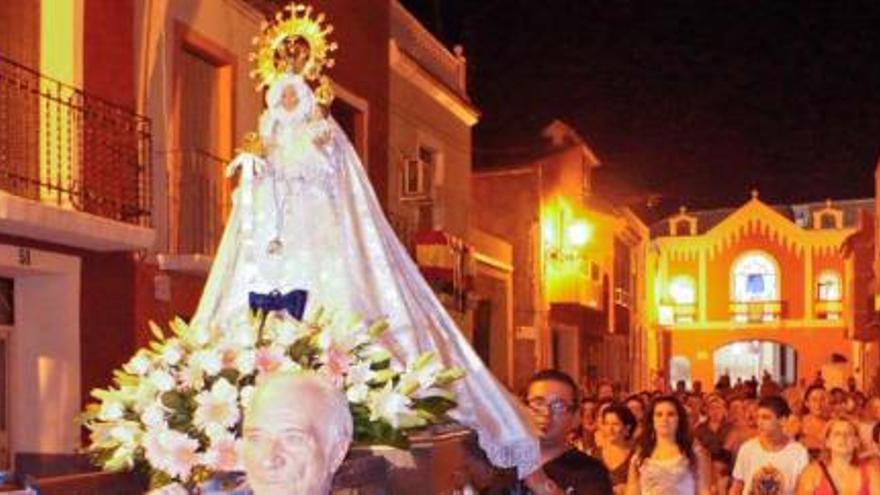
668, 462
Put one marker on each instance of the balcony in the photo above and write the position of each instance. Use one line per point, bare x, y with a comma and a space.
677, 313
412, 38
198, 203
828, 309
74, 169
756, 311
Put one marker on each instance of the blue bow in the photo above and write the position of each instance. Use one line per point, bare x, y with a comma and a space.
294, 302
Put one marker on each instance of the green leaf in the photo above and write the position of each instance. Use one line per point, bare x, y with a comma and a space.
230, 374
158, 479
377, 329
435, 405
383, 376
156, 330
449, 376
423, 359
173, 399
381, 364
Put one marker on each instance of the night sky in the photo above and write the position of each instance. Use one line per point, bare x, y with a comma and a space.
699, 101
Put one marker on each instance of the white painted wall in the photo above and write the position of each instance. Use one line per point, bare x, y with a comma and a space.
44, 374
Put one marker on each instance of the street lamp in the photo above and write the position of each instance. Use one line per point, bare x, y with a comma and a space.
579, 233
564, 237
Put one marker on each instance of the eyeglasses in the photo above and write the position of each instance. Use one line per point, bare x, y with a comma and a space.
554, 407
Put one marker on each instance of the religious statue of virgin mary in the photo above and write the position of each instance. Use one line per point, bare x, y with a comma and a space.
305, 221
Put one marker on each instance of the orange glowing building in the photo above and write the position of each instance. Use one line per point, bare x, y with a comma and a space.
578, 261
760, 288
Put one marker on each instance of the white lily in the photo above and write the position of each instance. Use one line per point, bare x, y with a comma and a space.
388, 404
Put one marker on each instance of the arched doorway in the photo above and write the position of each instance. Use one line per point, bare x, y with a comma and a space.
751, 358
679, 371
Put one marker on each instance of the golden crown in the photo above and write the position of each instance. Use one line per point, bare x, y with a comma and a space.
295, 42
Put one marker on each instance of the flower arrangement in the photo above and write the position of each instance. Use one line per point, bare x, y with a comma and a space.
175, 409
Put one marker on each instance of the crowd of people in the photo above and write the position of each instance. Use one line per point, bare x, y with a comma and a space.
748, 438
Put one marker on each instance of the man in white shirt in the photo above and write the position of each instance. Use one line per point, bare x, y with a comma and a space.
770, 463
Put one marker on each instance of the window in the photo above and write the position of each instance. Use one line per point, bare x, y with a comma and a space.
828, 221
683, 227
683, 294
682, 291
755, 278
829, 294
418, 174
828, 287
7, 305
755, 289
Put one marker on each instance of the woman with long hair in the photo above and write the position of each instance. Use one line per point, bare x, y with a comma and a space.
814, 417
668, 462
618, 426
636, 405
837, 471
742, 418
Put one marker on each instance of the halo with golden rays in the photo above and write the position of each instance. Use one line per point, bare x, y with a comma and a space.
294, 23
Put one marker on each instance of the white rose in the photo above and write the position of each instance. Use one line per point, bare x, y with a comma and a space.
161, 380
153, 416
357, 394
111, 410
216, 432
124, 433
210, 361
172, 354
246, 361
139, 364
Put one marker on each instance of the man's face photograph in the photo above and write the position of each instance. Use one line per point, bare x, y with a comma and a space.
283, 453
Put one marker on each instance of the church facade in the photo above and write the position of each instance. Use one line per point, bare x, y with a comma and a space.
762, 288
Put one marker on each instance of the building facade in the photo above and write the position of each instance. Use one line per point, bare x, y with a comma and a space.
429, 201
757, 289
118, 117
75, 211
578, 262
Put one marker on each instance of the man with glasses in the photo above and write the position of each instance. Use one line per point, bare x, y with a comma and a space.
552, 398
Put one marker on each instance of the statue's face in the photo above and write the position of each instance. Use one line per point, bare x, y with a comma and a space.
299, 55
289, 98
283, 452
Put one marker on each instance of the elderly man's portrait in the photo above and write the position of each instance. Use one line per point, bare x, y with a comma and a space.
297, 431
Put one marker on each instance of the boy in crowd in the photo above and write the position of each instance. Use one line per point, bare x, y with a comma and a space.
770, 463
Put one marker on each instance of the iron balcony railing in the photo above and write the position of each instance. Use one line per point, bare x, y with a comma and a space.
62, 146
674, 313
828, 309
757, 311
199, 201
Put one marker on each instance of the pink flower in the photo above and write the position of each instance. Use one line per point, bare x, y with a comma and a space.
228, 357
223, 455
269, 359
171, 451
217, 406
336, 364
